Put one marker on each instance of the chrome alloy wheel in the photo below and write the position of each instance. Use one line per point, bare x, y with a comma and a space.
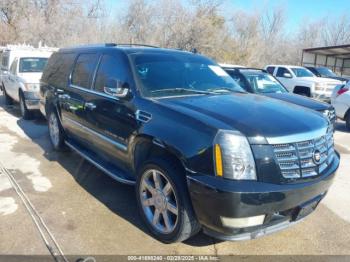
54, 129
159, 201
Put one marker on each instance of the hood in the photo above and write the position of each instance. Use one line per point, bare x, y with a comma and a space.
300, 101
252, 115
343, 79
320, 80
30, 77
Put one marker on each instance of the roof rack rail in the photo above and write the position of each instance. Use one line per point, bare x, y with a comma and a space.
121, 44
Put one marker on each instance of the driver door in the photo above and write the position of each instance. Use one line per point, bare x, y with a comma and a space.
288, 82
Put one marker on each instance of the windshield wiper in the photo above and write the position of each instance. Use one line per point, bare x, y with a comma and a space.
182, 90
225, 89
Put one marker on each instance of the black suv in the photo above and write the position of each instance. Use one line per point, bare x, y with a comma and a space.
259, 81
322, 71
203, 153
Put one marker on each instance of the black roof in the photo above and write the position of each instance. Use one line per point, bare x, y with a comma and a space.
244, 68
127, 48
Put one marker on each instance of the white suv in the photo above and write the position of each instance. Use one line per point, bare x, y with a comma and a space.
341, 101
20, 80
300, 80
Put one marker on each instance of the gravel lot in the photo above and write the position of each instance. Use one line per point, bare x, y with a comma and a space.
88, 213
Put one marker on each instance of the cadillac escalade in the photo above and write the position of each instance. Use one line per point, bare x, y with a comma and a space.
202, 153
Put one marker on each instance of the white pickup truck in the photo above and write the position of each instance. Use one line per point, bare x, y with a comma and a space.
300, 80
21, 71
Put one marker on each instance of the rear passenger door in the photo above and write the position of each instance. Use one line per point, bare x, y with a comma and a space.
73, 99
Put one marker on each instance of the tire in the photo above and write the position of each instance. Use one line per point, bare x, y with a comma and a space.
55, 131
177, 201
347, 121
25, 113
8, 99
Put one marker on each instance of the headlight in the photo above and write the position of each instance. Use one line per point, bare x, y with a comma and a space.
320, 86
31, 87
233, 156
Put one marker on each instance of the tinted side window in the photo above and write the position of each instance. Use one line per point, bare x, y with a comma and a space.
281, 71
240, 80
270, 69
84, 69
111, 67
4, 62
58, 69
13, 67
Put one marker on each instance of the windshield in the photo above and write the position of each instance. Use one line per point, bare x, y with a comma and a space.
302, 72
163, 75
324, 71
32, 64
261, 82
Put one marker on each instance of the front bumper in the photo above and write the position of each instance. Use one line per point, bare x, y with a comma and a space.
32, 100
214, 198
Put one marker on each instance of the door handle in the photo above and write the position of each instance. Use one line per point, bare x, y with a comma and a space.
64, 96
90, 105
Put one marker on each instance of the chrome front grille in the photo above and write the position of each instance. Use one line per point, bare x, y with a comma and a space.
305, 158
330, 114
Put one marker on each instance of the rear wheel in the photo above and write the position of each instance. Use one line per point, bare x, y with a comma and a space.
164, 202
25, 113
347, 120
55, 131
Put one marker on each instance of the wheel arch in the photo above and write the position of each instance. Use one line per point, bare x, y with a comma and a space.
347, 113
145, 147
302, 89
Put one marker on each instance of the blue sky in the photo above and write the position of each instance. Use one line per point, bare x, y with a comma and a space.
296, 10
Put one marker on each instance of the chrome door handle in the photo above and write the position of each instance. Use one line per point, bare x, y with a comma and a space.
64, 96
90, 105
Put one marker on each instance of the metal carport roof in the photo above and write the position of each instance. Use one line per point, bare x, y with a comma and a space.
335, 57
339, 51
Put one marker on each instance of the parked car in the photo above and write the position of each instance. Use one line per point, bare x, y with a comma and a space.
20, 82
300, 80
202, 152
322, 71
259, 81
341, 102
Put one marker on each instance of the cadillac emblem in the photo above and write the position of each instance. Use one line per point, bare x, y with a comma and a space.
317, 156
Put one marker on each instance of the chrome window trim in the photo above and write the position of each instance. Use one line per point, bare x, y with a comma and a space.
297, 137
89, 130
94, 92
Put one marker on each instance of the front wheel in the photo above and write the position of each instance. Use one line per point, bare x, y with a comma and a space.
164, 202
55, 131
347, 121
25, 113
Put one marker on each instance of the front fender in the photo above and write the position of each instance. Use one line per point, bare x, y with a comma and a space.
191, 144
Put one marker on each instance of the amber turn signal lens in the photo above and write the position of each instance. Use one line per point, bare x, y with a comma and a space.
218, 160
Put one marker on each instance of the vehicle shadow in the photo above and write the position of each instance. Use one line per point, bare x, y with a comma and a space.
341, 127
119, 198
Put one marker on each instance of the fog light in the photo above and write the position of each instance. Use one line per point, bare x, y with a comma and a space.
242, 222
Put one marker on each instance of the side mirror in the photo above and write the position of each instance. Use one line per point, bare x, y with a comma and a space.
287, 75
116, 88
